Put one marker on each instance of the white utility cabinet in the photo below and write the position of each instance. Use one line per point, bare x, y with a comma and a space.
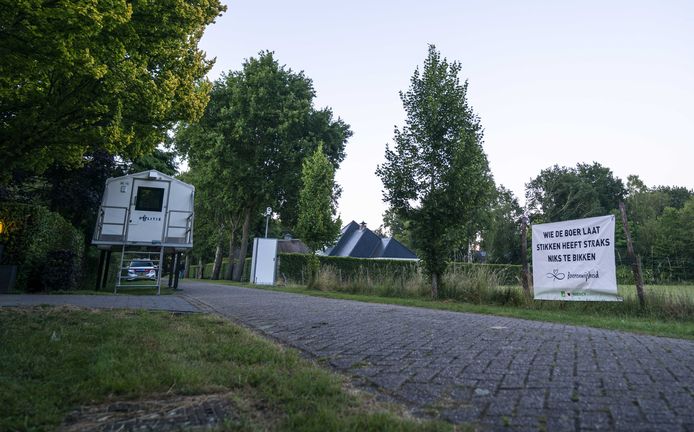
264, 261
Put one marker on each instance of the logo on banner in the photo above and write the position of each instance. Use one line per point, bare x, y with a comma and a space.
556, 275
586, 276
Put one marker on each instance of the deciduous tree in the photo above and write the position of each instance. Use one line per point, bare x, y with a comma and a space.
674, 242
258, 127
561, 193
437, 176
398, 228
317, 226
501, 237
660, 228
78, 77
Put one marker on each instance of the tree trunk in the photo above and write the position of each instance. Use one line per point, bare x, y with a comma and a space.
232, 238
238, 268
230, 268
200, 269
186, 269
434, 285
217, 266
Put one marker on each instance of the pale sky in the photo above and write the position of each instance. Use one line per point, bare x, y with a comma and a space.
553, 82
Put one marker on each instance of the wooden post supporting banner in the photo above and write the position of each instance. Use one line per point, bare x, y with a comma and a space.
633, 258
525, 275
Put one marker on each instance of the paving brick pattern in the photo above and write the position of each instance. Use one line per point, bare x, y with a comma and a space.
498, 373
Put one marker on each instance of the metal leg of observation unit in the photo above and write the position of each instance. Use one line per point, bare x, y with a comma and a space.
100, 270
161, 267
171, 270
176, 265
107, 265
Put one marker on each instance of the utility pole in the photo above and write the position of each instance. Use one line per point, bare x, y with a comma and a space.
268, 213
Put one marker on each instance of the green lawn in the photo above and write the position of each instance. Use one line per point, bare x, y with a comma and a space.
683, 291
122, 291
57, 359
147, 288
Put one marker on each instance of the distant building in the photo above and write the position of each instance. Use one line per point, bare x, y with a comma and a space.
290, 245
357, 241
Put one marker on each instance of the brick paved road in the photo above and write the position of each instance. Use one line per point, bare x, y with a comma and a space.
500, 373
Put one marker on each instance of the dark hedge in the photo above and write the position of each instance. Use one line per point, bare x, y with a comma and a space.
293, 267
37, 240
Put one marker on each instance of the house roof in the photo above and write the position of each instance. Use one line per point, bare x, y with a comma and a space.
358, 241
151, 175
292, 246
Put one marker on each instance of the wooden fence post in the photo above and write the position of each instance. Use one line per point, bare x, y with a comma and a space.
635, 260
525, 276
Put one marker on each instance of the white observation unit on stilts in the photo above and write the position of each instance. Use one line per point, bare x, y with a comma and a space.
144, 215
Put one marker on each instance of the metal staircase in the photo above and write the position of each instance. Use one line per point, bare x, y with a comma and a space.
130, 253
136, 253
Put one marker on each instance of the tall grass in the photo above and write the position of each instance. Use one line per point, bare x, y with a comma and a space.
477, 285
481, 286
372, 283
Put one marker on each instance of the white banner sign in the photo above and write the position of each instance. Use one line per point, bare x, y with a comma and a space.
574, 260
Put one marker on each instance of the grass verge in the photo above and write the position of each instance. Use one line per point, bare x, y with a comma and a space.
58, 358
139, 291
589, 314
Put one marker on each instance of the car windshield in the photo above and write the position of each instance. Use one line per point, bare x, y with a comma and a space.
141, 264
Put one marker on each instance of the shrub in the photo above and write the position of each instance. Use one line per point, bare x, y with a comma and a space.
61, 270
625, 275
207, 270
246, 274
31, 233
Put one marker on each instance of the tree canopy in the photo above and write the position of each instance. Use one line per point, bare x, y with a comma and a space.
256, 131
82, 77
502, 235
561, 193
662, 227
316, 226
437, 176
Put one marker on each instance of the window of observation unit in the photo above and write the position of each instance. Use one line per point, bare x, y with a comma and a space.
149, 199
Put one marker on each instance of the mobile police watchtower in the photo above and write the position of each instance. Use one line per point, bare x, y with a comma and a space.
144, 215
